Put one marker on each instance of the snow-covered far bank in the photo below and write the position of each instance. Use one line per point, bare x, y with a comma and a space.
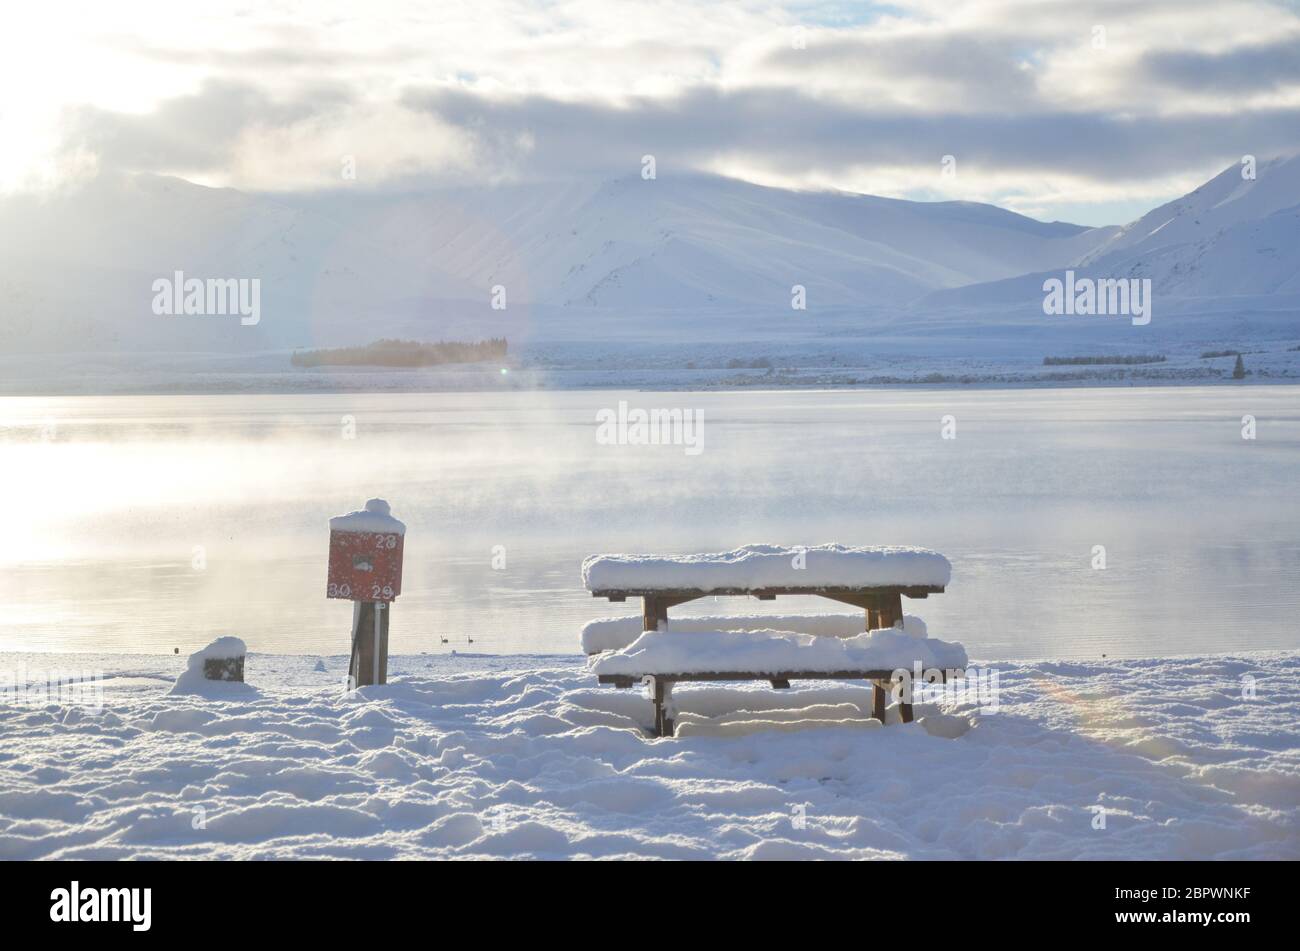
957, 359
525, 756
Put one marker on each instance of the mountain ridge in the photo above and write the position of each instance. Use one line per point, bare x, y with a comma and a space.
600, 258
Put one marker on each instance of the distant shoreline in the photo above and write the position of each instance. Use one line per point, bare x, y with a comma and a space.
755, 365
754, 386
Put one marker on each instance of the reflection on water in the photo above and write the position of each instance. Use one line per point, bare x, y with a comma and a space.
148, 523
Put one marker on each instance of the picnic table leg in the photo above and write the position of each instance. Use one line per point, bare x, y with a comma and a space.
905, 689
663, 722
878, 701
905, 697
890, 609
654, 613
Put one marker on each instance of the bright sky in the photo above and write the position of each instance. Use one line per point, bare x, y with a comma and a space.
1086, 111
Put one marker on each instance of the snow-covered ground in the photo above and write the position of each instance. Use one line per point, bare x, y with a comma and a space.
510, 756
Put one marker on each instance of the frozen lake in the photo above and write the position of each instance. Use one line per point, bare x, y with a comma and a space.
144, 524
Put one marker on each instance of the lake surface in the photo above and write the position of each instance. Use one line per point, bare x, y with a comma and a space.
143, 524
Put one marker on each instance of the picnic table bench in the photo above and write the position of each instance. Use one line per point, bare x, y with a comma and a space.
875, 580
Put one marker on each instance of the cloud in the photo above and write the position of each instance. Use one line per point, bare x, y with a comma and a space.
237, 133
273, 57
929, 70
195, 132
1256, 67
785, 130
868, 98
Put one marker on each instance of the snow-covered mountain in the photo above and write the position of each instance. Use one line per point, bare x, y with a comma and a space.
675, 258
697, 242
600, 257
1233, 237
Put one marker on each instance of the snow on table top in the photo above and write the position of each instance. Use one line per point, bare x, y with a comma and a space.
375, 517
775, 652
615, 633
769, 566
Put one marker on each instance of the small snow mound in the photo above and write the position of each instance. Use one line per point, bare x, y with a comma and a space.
739, 728
460, 828
181, 720
192, 680
523, 840
945, 725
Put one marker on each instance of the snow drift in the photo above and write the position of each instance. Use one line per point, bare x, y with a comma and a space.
526, 757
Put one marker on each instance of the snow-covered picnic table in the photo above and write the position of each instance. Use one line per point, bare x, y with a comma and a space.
874, 579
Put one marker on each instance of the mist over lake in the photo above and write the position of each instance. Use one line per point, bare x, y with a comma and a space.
144, 524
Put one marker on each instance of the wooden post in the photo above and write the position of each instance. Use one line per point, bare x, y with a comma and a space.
369, 664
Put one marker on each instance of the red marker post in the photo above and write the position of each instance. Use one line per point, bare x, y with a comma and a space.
365, 567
